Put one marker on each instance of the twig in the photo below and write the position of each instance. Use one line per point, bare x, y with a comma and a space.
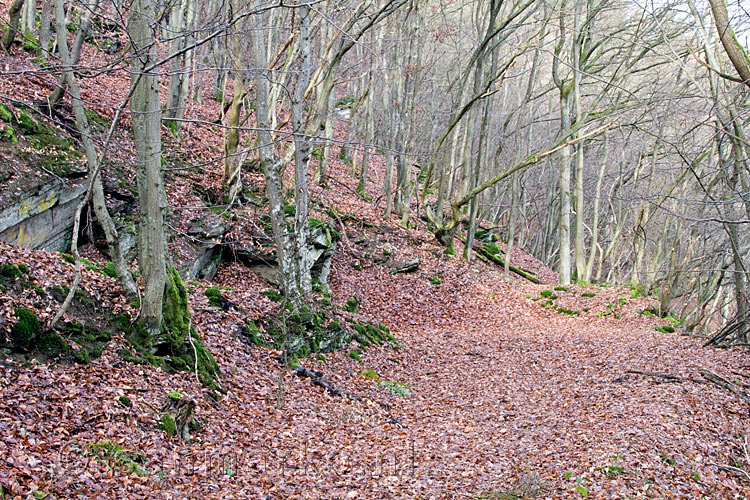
736, 470
726, 384
195, 351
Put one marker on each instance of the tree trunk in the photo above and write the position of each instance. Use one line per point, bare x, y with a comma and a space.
44, 30
303, 262
232, 179
728, 39
271, 166
14, 13
181, 27
146, 117
29, 19
75, 54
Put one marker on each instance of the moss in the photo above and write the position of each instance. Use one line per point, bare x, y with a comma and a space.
436, 279
166, 423
68, 258
27, 334
114, 456
396, 387
51, 344
665, 329
352, 305
5, 114
28, 124
174, 395
548, 294
273, 295
569, 312
560, 288
355, 354
254, 333
371, 375
109, 270
175, 312
26, 330
588, 294
125, 401
11, 271
214, 296
9, 134
82, 356
348, 101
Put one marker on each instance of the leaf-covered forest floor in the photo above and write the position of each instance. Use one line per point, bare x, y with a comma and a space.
490, 392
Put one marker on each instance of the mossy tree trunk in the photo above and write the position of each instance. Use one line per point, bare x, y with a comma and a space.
14, 14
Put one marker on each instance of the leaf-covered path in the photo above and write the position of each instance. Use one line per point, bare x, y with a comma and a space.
489, 389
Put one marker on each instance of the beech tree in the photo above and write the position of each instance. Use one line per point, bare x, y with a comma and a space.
145, 110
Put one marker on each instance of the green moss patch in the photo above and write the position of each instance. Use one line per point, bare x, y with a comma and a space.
167, 424
27, 335
313, 329
115, 457
173, 350
396, 387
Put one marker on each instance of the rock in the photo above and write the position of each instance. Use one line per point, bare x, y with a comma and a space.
43, 218
406, 267
322, 245
206, 245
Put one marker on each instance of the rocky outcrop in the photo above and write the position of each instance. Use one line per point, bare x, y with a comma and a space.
322, 244
43, 218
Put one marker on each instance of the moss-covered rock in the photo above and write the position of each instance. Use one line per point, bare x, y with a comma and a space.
26, 330
27, 335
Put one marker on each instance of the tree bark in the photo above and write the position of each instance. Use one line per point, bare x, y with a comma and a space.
146, 116
14, 14
734, 50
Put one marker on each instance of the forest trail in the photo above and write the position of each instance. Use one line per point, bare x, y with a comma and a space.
504, 395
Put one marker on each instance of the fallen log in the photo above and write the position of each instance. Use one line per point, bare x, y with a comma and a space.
486, 253
664, 376
517, 270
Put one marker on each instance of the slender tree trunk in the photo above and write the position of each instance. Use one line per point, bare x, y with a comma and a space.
14, 13
564, 267
29, 19
44, 30
323, 176
75, 53
146, 117
595, 223
301, 159
272, 170
511, 224
181, 32
232, 178
100, 207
